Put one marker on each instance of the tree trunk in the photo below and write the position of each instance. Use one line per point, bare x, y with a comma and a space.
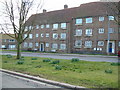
18, 51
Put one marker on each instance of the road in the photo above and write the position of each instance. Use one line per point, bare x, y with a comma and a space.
98, 58
12, 81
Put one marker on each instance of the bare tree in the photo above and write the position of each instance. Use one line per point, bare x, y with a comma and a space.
21, 9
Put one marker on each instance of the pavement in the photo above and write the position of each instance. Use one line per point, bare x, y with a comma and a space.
97, 58
47, 83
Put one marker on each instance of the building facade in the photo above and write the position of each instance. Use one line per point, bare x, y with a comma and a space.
6, 42
89, 28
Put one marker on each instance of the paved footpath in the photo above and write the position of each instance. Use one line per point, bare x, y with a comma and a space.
98, 58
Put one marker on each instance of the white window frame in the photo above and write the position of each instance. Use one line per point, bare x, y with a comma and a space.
42, 34
55, 26
47, 25
30, 45
101, 18
78, 21
88, 44
25, 35
101, 30
47, 44
89, 20
78, 43
47, 34
100, 43
62, 46
88, 32
55, 36
63, 36
42, 26
111, 30
36, 44
25, 44
30, 36
54, 46
12, 46
119, 43
3, 46
26, 28
78, 32
37, 27
37, 35
111, 17
63, 25
11, 40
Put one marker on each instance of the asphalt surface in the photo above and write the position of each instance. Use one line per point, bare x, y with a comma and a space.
98, 58
12, 81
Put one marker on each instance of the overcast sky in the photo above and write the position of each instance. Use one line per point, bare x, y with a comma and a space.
51, 5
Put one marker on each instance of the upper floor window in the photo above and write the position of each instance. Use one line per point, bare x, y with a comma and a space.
30, 45
63, 25
101, 30
111, 30
42, 35
62, 46
63, 35
42, 26
26, 28
47, 34
47, 45
88, 44
37, 26
101, 18
55, 35
11, 40
78, 32
78, 43
30, 36
37, 35
36, 44
100, 43
55, 26
78, 21
47, 26
89, 20
89, 32
111, 17
119, 44
54, 46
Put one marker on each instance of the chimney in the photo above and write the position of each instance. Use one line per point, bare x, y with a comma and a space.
44, 10
65, 6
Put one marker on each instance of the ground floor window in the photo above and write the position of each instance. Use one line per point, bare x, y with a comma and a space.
12, 46
62, 46
88, 44
54, 46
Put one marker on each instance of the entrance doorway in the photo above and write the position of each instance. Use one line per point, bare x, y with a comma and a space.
111, 47
42, 47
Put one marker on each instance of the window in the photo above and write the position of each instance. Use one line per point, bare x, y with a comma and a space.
36, 44
119, 44
88, 44
37, 26
55, 35
111, 30
78, 43
3, 46
47, 34
101, 30
12, 46
47, 26
3, 40
78, 21
37, 35
111, 17
11, 40
63, 35
25, 44
78, 32
42, 35
25, 35
47, 44
101, 18
89, 20
54, 46
42, 26
55, 26
62, 46
30, 36
63, 25
89, 32
30, 27
100, 43
26, 28
30, 45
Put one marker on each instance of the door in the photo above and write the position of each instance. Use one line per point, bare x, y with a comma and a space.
110, 47
41, 47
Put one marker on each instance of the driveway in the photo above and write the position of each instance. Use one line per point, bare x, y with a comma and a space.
98, 58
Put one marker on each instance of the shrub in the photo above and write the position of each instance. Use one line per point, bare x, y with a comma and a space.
108, 71
46, 60
33, 58
9, 56
115, 64
20, 62
39, 66
22, 56
57, 67
55, 62
75, 60
5, 61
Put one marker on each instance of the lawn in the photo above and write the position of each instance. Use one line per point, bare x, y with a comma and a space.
82, 73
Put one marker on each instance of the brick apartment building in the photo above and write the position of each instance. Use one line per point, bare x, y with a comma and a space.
89, 28
6, 42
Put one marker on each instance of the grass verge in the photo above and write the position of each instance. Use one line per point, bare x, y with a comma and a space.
82, 73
